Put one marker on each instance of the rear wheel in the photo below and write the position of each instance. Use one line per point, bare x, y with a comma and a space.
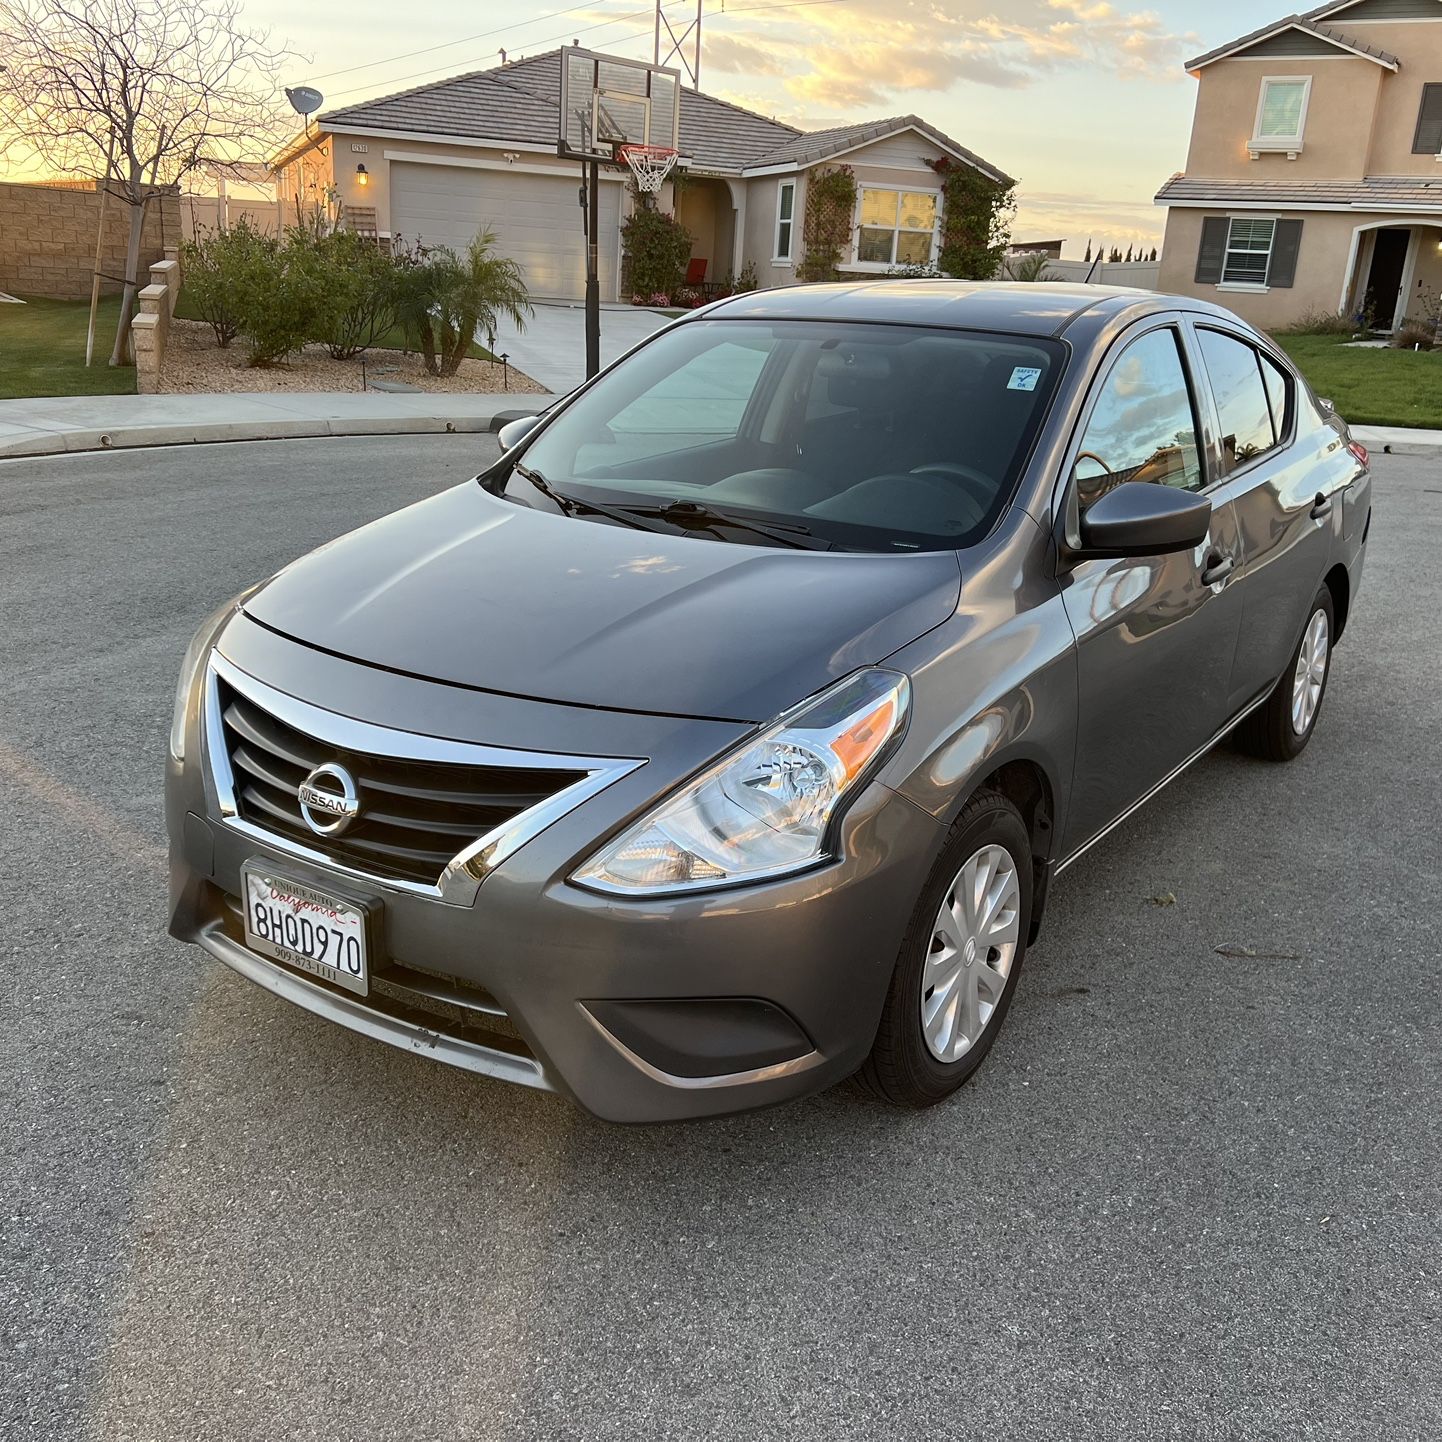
959, 962
1281, 728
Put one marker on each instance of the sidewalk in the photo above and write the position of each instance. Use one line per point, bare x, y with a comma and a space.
51, 425
1398, 441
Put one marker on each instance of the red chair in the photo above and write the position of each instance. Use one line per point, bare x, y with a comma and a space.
696, 273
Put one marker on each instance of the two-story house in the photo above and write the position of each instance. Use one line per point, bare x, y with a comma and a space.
1314, 178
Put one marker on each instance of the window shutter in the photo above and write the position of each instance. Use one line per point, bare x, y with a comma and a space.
1285, 244
1428, 140
1213, 252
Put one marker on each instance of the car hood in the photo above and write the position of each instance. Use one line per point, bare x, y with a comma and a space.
477, 591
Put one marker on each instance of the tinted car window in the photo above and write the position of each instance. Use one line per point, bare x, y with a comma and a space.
1235, 370
870, 437
1279, 390
1143, 427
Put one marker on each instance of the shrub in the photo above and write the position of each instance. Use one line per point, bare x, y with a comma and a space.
1323, 322
443, 299
976, 216
1415, 335
355, 292
276, 291
913, 272
656, 249
210, 265
747, 281
1030, 269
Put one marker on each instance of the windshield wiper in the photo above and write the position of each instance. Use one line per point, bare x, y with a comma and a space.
575, 506
676, 518
696, 516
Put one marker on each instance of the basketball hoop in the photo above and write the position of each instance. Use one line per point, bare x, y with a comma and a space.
650, 164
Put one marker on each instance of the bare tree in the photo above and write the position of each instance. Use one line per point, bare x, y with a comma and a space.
163, 86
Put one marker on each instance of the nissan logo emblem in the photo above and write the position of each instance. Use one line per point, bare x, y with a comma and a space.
328, 799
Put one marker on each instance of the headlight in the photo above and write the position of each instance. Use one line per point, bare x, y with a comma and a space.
766, 808
195, 655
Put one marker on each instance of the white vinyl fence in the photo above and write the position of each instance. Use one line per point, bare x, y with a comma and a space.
1142, 274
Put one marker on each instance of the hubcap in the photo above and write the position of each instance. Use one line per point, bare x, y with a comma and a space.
973, 944
1310, 674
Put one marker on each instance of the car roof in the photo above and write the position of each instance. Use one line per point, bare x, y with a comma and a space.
1042, 309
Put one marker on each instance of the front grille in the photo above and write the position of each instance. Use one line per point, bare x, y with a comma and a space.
414, 817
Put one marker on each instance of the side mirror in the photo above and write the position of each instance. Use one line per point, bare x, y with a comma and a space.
514, 432
1139, 518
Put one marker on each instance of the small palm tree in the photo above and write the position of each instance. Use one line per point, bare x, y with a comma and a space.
447, 299
1031, 268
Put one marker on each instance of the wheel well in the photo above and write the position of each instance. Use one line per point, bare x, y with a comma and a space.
1340, 585
1025, 785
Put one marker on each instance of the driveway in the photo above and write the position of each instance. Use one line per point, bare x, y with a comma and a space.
1193, 1194
552, 348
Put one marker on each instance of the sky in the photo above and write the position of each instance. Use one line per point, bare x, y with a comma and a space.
1084, 101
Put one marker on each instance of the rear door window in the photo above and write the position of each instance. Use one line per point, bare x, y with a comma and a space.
1243, 405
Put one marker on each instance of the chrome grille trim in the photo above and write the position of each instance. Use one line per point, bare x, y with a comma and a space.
463, 874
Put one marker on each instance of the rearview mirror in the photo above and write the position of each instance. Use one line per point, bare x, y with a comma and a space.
1138, 518
514, 432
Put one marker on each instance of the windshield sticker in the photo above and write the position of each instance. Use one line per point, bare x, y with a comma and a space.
1024, 378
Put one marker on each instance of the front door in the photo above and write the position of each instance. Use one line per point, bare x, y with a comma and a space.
1384, 280
1155, 635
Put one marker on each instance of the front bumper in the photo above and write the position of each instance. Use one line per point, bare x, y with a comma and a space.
642, 1010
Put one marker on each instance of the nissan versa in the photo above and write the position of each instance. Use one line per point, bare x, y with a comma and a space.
724, 738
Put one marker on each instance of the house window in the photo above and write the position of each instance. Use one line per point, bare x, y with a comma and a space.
1282, 113
785, 218
898, 227
1249, 252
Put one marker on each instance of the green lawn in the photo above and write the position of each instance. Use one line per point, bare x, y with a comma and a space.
1371, 387
42, 350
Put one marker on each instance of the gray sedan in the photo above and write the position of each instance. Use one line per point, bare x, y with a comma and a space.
724, 739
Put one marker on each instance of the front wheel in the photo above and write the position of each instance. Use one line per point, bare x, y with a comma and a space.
959, 962
1280, 729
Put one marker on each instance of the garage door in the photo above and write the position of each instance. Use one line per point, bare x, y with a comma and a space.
536, 218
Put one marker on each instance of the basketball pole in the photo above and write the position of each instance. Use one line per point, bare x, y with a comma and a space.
593, 269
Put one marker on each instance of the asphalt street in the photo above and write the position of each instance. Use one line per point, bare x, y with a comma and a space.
1196, 1192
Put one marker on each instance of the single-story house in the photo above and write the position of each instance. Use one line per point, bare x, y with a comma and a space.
440, 162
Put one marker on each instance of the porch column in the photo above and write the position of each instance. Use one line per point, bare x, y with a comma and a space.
1349, 275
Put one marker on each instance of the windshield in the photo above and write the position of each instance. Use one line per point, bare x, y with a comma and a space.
854, 437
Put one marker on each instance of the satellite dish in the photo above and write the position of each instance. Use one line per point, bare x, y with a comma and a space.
304, 100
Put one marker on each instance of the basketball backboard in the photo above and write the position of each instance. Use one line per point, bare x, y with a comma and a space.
608, 101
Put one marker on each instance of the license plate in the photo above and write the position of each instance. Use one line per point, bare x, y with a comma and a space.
310, 930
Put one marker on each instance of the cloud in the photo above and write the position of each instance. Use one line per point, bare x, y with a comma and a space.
873, 53
735, 55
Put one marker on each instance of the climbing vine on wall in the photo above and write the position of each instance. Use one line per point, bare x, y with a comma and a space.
976, 218
826, 226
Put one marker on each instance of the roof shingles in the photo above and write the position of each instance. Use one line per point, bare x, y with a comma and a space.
1385, 192
518, 102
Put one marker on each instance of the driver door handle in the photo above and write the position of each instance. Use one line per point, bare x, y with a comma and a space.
1219, 567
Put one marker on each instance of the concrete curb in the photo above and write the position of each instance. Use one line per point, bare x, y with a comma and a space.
34, 442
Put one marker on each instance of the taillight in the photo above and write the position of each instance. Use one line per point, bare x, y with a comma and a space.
1359, 453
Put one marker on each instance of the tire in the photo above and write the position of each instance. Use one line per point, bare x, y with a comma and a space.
1271, 731
904, 1067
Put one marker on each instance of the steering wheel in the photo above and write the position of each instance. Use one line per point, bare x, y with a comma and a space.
980, 487
1092, 456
